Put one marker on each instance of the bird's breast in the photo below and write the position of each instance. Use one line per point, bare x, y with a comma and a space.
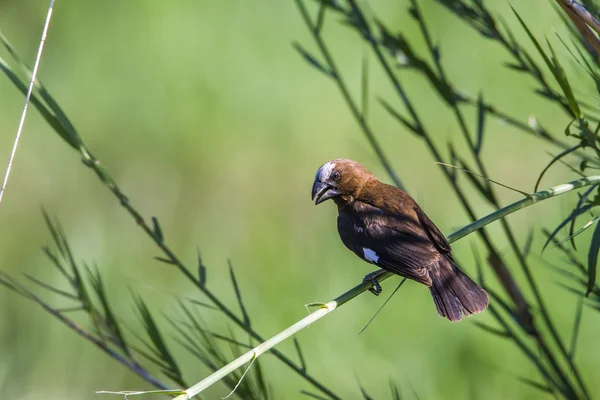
352, 230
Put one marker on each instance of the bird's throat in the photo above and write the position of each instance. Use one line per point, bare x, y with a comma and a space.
343, 201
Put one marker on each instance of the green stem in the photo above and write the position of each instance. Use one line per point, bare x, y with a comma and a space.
346, 94
526, 202
105, 177
363, 287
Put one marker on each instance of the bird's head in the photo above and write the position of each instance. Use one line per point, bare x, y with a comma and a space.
339, 179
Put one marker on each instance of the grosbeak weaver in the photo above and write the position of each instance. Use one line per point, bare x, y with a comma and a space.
384, 226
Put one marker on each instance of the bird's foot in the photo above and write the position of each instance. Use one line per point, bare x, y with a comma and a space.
372, 279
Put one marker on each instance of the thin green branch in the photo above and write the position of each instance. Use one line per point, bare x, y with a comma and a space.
516, 206
358, 115
98, 342
490, 193
57, 119
500, 269
363, 287
91, 162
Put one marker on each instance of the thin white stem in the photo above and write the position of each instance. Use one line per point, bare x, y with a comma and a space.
29, 90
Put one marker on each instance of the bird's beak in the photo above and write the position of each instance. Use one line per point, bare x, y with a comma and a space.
322, 191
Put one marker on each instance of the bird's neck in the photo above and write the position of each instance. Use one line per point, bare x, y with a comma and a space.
377, 194
363, 193
343, 201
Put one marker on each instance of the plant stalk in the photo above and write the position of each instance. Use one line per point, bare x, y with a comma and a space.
363, 287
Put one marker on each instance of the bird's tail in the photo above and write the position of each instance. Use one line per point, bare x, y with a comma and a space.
454, 293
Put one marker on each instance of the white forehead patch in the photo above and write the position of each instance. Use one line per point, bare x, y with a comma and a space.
325, 171
370, 255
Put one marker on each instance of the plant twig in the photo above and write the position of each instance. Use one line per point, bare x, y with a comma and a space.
363, 287
133, 366
58, 120
358, 115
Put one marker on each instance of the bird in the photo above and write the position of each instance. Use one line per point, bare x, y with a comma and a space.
384, 226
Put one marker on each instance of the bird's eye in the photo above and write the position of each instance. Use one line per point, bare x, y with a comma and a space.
335, 175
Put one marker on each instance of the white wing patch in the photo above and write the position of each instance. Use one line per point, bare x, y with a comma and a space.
370, 255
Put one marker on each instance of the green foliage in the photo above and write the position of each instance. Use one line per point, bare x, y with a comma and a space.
521, 316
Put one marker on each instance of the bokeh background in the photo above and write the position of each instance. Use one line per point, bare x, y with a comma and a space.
209, 119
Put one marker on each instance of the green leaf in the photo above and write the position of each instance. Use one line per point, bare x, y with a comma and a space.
300, 355
527, 246
51, 288
536, 385
574, 214
313, 395
170, 368
576, 327
481, 112
157, 232
364, 393
333, 5
400, 118
201, 271
489, 329
591, 72
320, 18
593, 260
313, 61
77, 280
49, 109
111, 320
587, 136
580, 230
554, 159
561, 78
570, 289
56, 262
554, 67
395, 390
53, 232
165, 260
10, 283
397, 45
365, 88
238, 294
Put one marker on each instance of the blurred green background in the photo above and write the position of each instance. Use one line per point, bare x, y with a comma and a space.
210, 120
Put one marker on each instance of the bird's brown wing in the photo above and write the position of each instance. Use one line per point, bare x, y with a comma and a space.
399, 242
432, 231
402, 251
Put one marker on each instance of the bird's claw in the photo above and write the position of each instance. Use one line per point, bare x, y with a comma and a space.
375, 286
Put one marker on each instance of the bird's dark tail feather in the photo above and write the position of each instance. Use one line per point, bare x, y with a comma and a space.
454, 293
